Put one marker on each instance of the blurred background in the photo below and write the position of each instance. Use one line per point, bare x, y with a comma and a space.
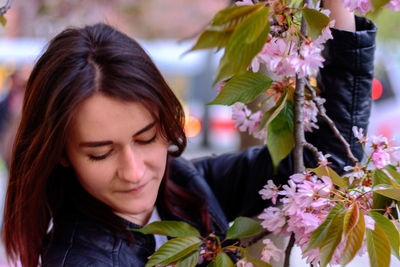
166, 30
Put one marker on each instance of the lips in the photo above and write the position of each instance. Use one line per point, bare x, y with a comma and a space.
134, 190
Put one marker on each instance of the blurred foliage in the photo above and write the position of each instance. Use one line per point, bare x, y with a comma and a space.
146, 19
388, 24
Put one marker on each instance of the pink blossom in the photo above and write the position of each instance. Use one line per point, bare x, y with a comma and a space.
277, 55
298, 177
245, 120
359, 134
291, 202
310, 222
270, 191
310, 115
380, 158
326, 34
312, 256
310, 59
240, 116
311, 193
355, 172
323, 159
394, 5
379, 142
244, 263
244, 3
256, 118
273, 218
362, 6
262, 134
270, 251
255, 64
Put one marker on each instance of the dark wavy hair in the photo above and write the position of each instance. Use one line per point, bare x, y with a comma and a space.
78, 63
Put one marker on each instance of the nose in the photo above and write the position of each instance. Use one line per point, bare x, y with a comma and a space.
131, 166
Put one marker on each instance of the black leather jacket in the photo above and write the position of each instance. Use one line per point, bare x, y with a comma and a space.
230, 183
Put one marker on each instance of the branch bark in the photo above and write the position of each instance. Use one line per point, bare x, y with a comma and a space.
298, 131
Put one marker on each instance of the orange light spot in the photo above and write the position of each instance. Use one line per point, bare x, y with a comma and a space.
192, 126
376, 89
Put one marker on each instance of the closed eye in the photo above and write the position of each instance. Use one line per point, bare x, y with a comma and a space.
149, 141
101, 157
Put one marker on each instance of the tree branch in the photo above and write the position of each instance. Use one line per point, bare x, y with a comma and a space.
313, 150
5, 8
322, 113
299, 126
289, 250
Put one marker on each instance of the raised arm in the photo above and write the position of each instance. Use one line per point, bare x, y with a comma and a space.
345, 82
343, 17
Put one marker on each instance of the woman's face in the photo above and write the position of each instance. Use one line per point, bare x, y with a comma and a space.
118, 155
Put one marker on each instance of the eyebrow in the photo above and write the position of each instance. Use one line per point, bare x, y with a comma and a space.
106, 143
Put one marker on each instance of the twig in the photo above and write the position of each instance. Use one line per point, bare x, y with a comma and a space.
288, 251
4, 8
313, 150
322, 113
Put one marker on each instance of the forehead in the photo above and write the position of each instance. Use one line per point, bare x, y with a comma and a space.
102, 117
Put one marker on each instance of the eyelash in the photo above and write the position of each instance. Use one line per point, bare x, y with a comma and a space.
97, 158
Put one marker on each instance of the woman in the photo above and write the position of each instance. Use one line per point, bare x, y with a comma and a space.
97, 150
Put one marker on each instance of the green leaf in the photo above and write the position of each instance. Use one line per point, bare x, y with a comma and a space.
316, 21
379, 177
327, 171
190, 260
244, 87
272, 113
319, 234
223, 260
332, 238
377, 4
245, 43
351, 218
168, 228
256, 263
380, 201
354, 240
212, 264
378, 247
234, 14
173, 250
3, 21
390, 230
243, 227
280, 138
211, 38
393, 172
389, 191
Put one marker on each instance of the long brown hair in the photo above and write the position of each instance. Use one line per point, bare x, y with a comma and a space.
77, 64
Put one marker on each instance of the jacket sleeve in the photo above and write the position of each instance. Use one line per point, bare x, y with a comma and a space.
345, 82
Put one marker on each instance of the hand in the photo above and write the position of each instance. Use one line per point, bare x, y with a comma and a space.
344, 18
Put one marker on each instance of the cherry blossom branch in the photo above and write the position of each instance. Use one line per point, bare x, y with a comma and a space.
298, 113
313, 150
5, 8
299, 126
298, 152
289, 250
322, 113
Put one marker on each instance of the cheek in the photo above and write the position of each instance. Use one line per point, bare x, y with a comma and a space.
93, 176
